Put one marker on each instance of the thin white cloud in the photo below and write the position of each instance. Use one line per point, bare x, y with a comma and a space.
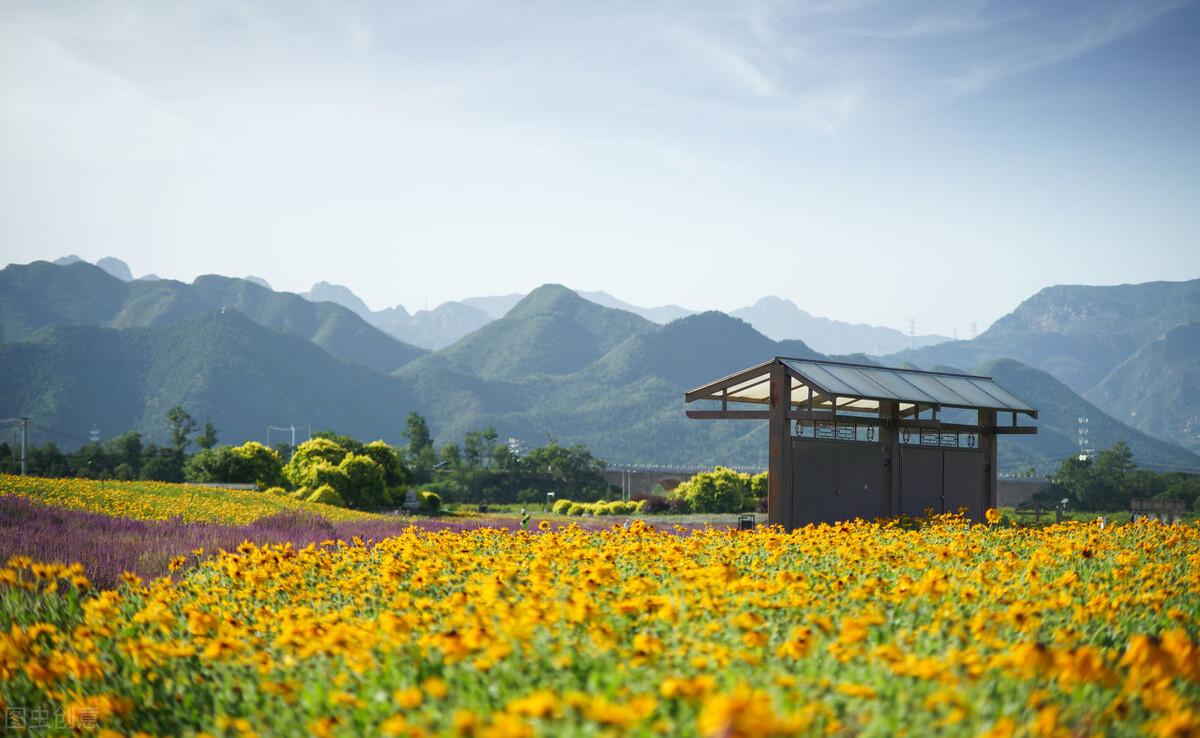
730, 65
1075, 39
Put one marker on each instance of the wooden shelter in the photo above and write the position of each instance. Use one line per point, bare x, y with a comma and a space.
864, 441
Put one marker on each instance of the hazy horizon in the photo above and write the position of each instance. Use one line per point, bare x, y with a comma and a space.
870, 162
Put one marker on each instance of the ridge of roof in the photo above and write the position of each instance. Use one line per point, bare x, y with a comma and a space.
879, 366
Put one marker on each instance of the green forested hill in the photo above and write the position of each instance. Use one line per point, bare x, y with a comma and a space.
41, 294
1058, 430
1076, 333
1092, 339
555, 366
1157, 389
221, 366
551, 331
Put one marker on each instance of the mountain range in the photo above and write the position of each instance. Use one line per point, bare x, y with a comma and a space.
40, 294
83, 347
774, 317
1132, 349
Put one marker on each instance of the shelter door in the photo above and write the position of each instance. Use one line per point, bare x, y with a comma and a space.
941, 479
837, 480
920, 480
964, 482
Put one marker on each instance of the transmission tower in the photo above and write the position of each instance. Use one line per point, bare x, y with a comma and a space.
974, 331
1086, 451
912, 333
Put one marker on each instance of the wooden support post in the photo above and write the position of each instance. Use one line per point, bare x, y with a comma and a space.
889, 439
987, 445
779, 479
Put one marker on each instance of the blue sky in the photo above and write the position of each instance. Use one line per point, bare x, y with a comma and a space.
871, 161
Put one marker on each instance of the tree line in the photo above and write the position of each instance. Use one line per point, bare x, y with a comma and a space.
331, 467
1111, 480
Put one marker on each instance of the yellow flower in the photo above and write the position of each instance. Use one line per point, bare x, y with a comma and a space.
407, 698
435, 687
856, 690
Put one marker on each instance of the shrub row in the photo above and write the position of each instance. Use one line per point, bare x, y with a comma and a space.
616, 507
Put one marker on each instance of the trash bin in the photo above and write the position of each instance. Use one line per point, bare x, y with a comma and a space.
745, 522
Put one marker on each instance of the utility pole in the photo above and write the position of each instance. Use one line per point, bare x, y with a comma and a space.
24, 445
287, 429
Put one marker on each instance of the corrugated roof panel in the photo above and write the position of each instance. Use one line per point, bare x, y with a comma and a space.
1009, 399
822, 376
897, 384
906, 386
974, 393
936, 390
863, 382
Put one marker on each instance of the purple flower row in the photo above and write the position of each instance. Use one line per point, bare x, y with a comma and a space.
109, 546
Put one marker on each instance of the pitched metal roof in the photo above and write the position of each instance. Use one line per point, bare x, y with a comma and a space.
864, 386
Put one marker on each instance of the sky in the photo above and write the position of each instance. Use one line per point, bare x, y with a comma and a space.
871, 161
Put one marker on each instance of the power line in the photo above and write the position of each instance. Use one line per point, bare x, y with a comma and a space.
292, 430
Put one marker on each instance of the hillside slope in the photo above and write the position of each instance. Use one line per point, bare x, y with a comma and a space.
1077, 333
1059, 410
556, 366
1157, 389
551, 331
219, 366
40, 294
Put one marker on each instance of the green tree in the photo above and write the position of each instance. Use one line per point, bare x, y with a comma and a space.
356, 478
47, 461
182, 426
161, 464
419, 455
208, 438
1107, 482
307, 454
250, 463
1184, 487
364, 481
721, 490
451, 456
759, 485
417, 433
477, 447
258, 464
126, 449
352, 445
568, 471
394, 472
211, 465
91, 462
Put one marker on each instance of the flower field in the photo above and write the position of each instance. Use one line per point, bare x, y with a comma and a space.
162, 500
859, 629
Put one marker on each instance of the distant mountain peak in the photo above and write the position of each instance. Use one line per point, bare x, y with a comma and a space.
780, 319
547, 297
340, 294
116, 267
770, 300
258, 281
661, 314
494, 306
